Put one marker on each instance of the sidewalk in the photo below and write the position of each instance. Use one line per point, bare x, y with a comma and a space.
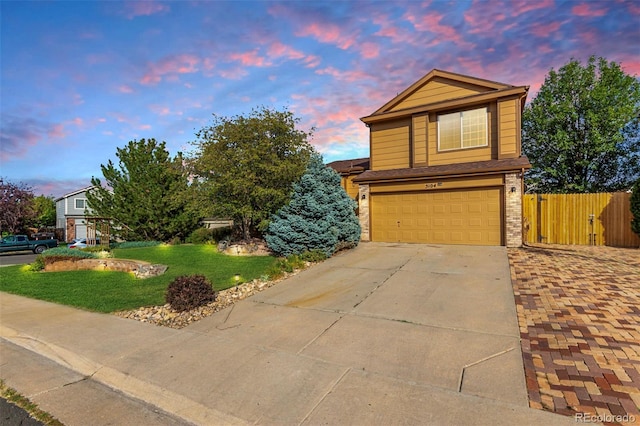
386, 334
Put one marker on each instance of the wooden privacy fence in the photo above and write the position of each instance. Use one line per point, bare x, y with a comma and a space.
582, 219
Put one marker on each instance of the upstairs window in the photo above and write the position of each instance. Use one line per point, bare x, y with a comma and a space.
464, 129
81, 203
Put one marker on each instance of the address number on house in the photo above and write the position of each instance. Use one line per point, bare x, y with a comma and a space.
432, 185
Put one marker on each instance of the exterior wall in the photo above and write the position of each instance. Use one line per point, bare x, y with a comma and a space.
509, 128
513, 209
349, 186
390, 143
439, 89
419, 125
70, 233
363, 200
60, 217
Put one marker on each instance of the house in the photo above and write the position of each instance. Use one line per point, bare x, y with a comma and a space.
445, 164
71, 212
348, 170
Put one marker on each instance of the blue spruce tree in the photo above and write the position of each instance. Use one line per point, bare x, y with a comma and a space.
320, 215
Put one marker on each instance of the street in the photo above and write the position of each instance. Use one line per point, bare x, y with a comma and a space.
19, 258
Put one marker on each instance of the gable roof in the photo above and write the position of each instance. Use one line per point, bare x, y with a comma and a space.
487, 90
76, 192
350, 167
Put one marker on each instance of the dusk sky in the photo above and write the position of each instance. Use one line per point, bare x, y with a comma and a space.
80, 79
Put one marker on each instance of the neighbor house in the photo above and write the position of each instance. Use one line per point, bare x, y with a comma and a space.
445, 164
348, 170
71, 214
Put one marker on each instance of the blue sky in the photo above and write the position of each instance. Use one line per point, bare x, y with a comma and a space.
82, 78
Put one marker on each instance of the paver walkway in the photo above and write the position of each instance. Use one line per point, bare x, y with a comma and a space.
579, 316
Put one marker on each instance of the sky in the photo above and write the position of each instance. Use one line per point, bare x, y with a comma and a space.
79, 79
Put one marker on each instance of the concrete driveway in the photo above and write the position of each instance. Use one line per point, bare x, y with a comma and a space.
383, 334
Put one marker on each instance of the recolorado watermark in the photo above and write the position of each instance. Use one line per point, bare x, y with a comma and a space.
604, 418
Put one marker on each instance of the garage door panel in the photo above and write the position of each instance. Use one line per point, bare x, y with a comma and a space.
442, 217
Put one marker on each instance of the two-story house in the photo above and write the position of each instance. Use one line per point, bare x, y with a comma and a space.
445, 164
71, 212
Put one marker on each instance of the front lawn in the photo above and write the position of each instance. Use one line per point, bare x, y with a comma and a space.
106, 291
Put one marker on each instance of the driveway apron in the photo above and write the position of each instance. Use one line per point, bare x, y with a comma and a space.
382, 334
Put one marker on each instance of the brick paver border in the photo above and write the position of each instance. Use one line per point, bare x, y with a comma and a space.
579, 317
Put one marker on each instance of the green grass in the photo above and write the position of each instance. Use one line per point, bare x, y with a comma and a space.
106, 291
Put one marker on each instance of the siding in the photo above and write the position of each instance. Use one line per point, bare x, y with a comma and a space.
508, 128
439, 89
419, 127
390, 145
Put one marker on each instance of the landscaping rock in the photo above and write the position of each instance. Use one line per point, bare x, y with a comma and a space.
165, 316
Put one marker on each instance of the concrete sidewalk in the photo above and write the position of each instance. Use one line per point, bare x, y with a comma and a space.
383, 334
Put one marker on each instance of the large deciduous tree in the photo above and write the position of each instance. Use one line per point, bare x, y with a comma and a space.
16, 206
44, 209
145, 193
246, 165
581, 132
320, 215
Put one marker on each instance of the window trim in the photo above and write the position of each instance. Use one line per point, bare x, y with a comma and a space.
460, 113
75, 203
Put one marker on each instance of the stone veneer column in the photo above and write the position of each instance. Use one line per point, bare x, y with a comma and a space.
363, 204
513, 207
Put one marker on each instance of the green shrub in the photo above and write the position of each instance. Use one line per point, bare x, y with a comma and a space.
96, 249
209, 235
201, 236
635, 207
136, 244
313, 256
38, 264
320, 215
69, 253
188, 292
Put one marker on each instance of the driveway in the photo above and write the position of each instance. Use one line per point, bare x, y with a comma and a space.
383, 334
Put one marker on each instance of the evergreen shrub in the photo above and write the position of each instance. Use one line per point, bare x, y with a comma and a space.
189, 292
319, 217
136, 244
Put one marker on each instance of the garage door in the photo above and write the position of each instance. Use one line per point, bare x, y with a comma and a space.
81, 231
439, 217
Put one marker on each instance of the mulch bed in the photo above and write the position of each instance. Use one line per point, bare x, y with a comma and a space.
579, 317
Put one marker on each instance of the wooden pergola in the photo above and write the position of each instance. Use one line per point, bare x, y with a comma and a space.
97, 225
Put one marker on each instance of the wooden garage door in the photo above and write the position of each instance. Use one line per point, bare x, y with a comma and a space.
439, 217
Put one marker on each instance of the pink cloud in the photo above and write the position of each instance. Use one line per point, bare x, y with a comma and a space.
279, 49
369, 50
136, 8
348, 76
587, 10
250, 58
125, 89
518, 7
327, 33
57, 131
432, 22
631, 67
169, 67
543, 30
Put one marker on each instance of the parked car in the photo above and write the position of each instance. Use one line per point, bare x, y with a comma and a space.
22, 243
80, 243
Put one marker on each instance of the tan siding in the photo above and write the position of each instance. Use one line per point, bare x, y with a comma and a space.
443, 184
419, 128
508, 128
439, 89
349, 186
390, 145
